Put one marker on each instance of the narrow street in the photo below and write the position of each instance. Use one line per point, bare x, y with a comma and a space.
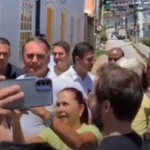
127, 47
129, 50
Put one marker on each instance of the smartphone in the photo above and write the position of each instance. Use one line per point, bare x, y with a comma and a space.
37, 92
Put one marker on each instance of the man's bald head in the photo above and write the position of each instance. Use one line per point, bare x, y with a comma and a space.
115, 54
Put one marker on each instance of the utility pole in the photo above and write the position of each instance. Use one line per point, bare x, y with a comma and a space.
101, 12
135, 20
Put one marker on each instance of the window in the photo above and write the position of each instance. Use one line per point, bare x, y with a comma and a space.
25, 24
72, 31
78, 29
63, 20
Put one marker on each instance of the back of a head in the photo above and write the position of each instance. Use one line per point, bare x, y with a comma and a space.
123, 89
132, 64
137, 67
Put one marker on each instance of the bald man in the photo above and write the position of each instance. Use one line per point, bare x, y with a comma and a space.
115, 54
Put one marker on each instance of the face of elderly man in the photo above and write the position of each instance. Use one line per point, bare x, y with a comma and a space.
36, 58
115, 54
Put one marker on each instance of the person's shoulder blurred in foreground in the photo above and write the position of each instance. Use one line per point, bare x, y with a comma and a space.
14, 146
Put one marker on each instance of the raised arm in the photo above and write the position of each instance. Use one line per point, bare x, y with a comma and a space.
86, 140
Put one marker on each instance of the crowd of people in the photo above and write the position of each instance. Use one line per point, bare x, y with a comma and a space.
109, 111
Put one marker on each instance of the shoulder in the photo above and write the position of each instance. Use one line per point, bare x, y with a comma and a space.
68, 72
146, 101
17, 69
91, 129
128, 141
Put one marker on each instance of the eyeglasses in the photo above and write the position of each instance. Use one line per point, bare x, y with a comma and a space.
113, 59
39, 56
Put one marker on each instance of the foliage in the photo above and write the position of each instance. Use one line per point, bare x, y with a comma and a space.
98, 52
107, 13
103, 38
146, 41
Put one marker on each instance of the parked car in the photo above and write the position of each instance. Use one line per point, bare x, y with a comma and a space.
121, 34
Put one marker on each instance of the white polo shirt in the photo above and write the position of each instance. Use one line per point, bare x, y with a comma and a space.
86, 83
53, 73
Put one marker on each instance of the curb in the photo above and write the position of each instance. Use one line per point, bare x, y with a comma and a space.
139, 51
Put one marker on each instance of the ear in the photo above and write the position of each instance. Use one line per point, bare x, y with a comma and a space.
106, 106
81, 109
77, 59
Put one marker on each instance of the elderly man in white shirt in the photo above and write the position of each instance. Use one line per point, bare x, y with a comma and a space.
36, 53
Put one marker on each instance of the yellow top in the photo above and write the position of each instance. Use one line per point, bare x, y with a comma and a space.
140, 122
49, 136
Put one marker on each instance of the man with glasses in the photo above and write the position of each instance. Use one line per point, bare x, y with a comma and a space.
115, 54
7, 70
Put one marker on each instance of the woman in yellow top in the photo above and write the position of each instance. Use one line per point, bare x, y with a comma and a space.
69, 129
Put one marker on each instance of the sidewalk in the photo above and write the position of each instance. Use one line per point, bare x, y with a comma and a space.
99, 62
143, 50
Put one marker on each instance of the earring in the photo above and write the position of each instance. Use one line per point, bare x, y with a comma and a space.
80, 115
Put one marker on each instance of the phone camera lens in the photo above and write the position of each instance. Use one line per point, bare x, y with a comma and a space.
43, 82
38, 83
47, 82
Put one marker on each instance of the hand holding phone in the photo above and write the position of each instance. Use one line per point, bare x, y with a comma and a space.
37, 92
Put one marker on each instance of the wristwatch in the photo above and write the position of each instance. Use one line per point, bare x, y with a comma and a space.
48, 122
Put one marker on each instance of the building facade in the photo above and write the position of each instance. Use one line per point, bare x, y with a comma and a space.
62, 20
17, 23
137, 16
54, 19
90, 17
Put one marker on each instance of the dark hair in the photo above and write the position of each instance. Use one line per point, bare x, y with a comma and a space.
4, 41
38, 40
34, 146
81, 49
122, 87
80, 99
64, 45
144, 78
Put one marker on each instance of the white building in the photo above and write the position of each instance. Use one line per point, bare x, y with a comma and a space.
58, 20
137, 12
17, 23
62, 20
